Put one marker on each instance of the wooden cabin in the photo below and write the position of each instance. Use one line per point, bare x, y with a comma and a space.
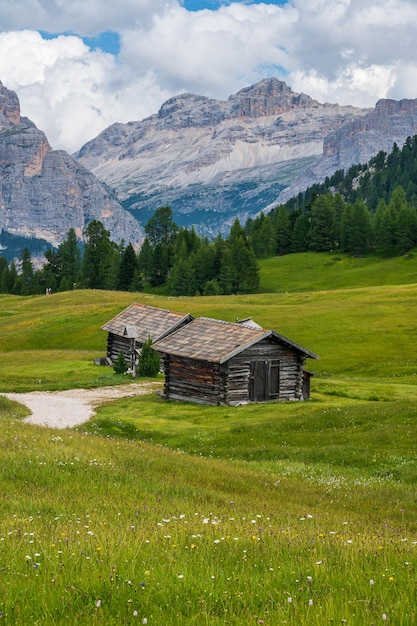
128, 331
214, 362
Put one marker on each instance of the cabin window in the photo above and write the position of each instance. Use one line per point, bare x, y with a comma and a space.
264, 380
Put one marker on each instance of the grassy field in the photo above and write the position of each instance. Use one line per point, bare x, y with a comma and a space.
170, 513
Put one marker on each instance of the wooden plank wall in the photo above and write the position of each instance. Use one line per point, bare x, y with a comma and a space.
117, 344
212, 383
191, 380
290, 368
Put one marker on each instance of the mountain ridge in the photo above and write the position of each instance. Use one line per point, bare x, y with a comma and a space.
195, 143
45, 192
391, 121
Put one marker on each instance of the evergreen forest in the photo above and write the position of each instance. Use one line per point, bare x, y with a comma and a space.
369, 209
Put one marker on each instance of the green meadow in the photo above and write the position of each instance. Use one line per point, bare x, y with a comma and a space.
169, 513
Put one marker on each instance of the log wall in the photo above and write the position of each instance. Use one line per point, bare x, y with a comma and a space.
191, 380
117, 344
229, 383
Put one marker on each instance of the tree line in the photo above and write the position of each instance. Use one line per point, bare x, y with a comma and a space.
174, 260
328, 223
371, 208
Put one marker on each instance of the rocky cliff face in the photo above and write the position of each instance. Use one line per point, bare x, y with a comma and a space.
44, 192
214, 160
390, 122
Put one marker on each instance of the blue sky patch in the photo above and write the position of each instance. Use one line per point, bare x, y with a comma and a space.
107, 42
197, 5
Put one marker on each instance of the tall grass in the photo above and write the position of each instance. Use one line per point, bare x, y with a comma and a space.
104, 531
169, 513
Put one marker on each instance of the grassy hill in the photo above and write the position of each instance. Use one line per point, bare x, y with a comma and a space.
169, 513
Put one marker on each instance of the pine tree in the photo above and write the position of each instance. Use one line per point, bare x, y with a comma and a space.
25, 282
356, 229
127, 269
101, 259
239, 271
145, 259
69, 256
322, 226
120, 366
300, 237
281, 222
149, 360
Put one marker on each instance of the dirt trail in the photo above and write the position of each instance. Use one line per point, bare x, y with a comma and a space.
64, 409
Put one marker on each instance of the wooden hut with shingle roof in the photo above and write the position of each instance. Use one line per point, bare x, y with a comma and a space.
214, 362
128, 331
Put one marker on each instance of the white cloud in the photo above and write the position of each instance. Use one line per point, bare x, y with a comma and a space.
210, 52
85, 17
343, 51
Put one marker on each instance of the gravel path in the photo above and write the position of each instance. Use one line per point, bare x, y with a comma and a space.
64, 409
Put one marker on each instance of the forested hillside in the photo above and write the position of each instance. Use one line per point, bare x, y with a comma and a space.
371, 208
172, 259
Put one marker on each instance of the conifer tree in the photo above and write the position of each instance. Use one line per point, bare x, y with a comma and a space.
100, 260
322, 226
127, 269
149, 360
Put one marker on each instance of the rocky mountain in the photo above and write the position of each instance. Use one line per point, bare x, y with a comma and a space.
390, 122
214, 160
45, 192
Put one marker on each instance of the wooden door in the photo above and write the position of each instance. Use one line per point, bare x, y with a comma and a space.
264, 380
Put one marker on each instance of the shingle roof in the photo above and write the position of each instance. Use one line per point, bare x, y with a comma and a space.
142, 321
213, 340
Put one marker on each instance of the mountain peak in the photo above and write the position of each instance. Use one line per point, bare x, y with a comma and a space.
9, 107
44, 192
268, 97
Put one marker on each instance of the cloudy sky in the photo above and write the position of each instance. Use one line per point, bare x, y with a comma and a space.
80, 65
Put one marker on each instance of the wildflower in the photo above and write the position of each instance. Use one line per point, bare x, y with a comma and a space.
135, 613
310, 602
384, 616
371, 582
98, 604
145, 620
289, 600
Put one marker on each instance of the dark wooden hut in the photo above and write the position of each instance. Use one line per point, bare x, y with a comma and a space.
128, 331
215, 362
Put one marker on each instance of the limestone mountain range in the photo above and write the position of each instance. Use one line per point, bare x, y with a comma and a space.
210, 160
45, 192
213, 160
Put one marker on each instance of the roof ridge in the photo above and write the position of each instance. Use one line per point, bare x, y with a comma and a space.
157, 308
214, 319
